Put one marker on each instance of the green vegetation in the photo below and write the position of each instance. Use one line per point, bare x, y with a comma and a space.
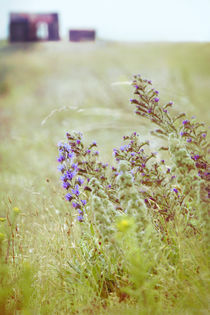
50, 263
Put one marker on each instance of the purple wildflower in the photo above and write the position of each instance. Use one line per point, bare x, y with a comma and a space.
61, 158
123, 147
143, 165
156, 99
189, 140
76, 191
157, 92
133, 153
80, 181
94, 143
185, 122
70, 174
66, 185
76, 205
96, 153
68, 197
88, 151
61, 168
165, 111
64, 178
71, 155
78, 141
67, 147
80, 218
196, 157
175, 190
149, 111
170, 103
74, 166
84, 202
204, 135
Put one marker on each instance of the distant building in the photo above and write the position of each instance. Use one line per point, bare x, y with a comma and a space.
26, 27
82, 35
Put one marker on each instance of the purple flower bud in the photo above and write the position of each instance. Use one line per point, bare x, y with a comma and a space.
185, 122
78, 141
70, 174
189, 140
175, 190
96, 153
68, 197
143, 165
80, 181
204, 135
80, 218
61, 158
94, 143
165, 111
76, 205
156, 92
66, 185
162, 161
182, 133
64, 178
195, 157
149, 111
146, 200
133, 153
123, 147
71, 155
170, 103
88, 151
149, 82
84, 202
61, 168
76, 191
156, 99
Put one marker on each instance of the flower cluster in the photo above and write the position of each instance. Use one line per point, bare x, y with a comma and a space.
140, 183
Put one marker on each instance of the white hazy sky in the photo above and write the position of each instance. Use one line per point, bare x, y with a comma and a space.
129, 20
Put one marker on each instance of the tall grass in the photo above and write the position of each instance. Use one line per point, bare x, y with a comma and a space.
49, 264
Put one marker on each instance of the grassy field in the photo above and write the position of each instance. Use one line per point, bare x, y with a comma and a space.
48, 89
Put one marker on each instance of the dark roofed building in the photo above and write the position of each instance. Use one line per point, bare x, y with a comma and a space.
26, 27
82, 35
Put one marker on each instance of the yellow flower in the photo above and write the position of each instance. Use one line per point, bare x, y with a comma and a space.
2, 219
124, 224
16, 210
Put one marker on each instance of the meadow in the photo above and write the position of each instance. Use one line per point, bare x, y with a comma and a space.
46, 90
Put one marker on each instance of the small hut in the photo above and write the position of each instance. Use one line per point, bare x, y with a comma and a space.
26, 27
82, 35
